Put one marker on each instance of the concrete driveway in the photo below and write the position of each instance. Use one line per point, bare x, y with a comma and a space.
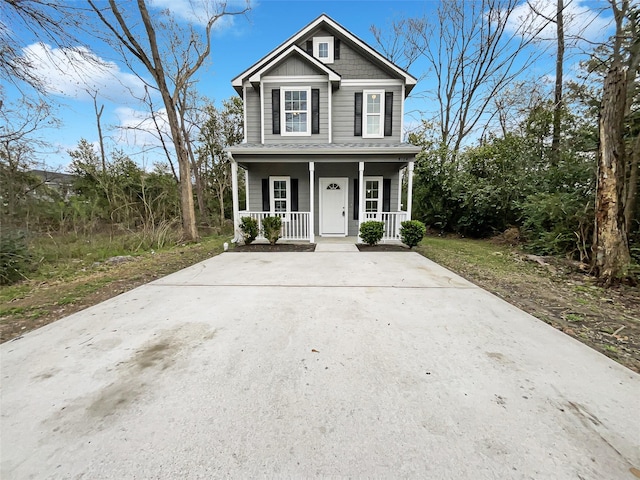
313, 365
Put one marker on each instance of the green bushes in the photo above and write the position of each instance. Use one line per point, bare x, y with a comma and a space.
411, 232
271, 227
249, 227
371, 232
15, 260
558, 223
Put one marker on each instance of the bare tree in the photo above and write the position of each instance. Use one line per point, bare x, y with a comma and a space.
53, 22
558, 102
472, 54
147, 49
632, 114
611, 257
222, 129
20, 126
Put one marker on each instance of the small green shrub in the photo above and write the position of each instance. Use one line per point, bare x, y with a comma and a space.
15, 260
412, 232
249, 227
371, 232
271, 229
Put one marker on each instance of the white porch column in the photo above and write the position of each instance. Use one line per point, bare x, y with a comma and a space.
234, 196
401, 174
360, 197
312, 168
246, 189
410, 191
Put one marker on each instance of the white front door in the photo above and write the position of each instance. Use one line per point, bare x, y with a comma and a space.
333, 206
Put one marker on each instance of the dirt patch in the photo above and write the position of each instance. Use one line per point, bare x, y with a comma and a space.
278, 247
382, 247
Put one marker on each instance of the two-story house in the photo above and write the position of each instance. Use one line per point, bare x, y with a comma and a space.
323, 144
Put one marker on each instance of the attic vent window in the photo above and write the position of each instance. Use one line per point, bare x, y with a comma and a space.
323, 49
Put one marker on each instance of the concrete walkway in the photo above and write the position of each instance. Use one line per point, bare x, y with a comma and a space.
292, 365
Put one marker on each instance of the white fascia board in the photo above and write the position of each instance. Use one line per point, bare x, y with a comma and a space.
328, 153
333, 76
244, 114
238, 80
409, 79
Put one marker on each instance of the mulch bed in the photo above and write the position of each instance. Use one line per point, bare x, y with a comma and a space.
310, 247
278, 247
382, 247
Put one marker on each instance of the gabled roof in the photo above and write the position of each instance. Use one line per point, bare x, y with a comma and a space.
292, 50
325, 21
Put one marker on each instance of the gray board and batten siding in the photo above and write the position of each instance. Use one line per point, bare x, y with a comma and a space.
351, 64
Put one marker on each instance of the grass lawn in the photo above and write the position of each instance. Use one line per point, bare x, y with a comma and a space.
74, 273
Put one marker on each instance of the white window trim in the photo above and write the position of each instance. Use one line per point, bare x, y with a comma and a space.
364, 196
365, 114
283, 113
316, 48
272, 199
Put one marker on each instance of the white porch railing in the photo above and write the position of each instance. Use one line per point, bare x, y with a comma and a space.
392, 222
295, 225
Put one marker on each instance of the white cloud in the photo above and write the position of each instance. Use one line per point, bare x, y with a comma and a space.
199, 11
75, 72
580, 21
138, 128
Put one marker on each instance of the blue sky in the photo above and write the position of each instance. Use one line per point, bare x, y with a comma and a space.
235, 47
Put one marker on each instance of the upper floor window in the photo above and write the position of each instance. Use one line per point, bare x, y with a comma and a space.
373, 114
296, 116
323, 49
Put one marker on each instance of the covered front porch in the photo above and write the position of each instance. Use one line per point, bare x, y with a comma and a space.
324, 196
297, 226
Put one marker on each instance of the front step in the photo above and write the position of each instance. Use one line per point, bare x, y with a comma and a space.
336, 247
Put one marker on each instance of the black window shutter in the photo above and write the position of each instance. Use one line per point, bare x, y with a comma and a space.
294, 194
386, 195
356, 199
315, 110
275, 111
336, 49
310, 47
266, 206
388, 114
357, 118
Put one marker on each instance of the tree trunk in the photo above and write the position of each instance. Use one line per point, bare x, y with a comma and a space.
557, 109
610, 246
632, 186
221, 189
202, 207
189, 229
